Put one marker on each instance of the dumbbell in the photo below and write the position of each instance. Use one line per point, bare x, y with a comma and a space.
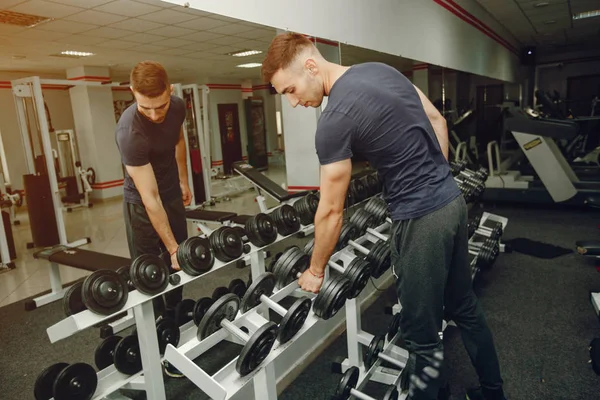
486, 250
347, 387
379, 256
492, 229
62, 381
236, 286
257, 346
333, 294
189, 310
227, 243
286, 219
374, 351
306, 208
357, 192
362, 219
481, 174
348, 232
457, 166
357, 273
261, 230
371, 182
377, 207
292, 319
473, 224
104, 292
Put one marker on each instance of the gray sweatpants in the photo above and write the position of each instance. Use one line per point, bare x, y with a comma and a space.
430, 259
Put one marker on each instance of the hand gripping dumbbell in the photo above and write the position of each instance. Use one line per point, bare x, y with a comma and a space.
292, 319
379, 256
62, 381
347, 387
257, 346
333, 294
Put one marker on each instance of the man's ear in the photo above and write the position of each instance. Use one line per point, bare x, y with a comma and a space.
311, 66
172, 88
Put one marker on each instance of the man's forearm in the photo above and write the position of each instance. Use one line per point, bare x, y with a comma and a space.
328, 225
160, 222
441, 131
181, 157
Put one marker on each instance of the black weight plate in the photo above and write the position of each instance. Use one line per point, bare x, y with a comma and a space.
194, 256
375, 347
226, 307
167, 332
331, 297
372, 184
391, 393
394, 326
44, 383
149, 274
263, 284
72, 300
219, 292
294, 319
358, 273
261, 230
348, 232
226, 244
103, 356
237, 287
308, 248
104, 292
76, 382
286, 220
288, 273
200, 308
124, 272
348, 382
283, 259
184, 311
257, 349
380, 258
127, 357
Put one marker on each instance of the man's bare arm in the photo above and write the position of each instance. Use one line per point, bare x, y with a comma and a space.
145, 182
437, 120
181, 157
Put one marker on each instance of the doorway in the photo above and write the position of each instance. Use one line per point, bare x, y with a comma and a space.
229, 127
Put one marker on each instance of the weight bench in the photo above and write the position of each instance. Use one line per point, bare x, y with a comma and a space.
200, 217
263, 183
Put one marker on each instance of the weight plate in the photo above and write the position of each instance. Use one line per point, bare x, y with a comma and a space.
362, 220
263, 284
226, 244
200, 308
184, 311
149, 274
72, 301
104, 354
104, 292
294, 319
261, 230
375, 347
226, 307
219, 292
283, 259
289, 271
346, 384
308, 248
76, 382
394, 326
286, 219
380, 258
127, 357
358, 273
237, 287
91, 176
167, 332
372, 183
331, 297
44, 384
124, 272
391, 393
257, 349
348, 232
194, 256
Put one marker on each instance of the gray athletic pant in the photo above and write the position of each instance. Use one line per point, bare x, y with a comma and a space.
430, 259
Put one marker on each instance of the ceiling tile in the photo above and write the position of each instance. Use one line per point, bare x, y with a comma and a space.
232, 29
150, 48
167, 17
224, 18
6, 29
64, 26
174, 52
198, 46
10, 3
108, 33
145, 38
96, 17
81, 3
173, 42
196, 55
253, 45
38, 34
259, 33
171, 31
202, 24
82, 39
128, 8
45, 9
227, 40
202, 36
158, 3
136, 25
119, 44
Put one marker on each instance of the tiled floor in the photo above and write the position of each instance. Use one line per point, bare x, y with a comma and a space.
104, 225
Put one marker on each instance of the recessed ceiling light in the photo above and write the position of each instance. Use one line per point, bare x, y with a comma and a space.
244, 53
18, 57
76, 53
541, 4
20, 19
550, 22
249, 65
587, 14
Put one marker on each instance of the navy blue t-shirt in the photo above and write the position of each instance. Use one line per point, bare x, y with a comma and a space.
375, 111
142, 141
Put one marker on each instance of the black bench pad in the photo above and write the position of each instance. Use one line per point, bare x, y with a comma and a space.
240, 219
204, 215
82, 258
265, 183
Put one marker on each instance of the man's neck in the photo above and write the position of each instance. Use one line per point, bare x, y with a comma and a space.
334, 72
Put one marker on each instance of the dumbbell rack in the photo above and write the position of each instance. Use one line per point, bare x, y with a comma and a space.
227, 383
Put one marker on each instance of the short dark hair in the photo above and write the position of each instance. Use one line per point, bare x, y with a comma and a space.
282, 51
149, 78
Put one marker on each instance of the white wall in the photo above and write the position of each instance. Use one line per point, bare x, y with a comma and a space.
419, 30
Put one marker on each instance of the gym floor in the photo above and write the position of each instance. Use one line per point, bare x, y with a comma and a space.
538, 310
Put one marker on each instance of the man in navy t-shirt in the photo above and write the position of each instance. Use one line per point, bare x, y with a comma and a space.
377, 113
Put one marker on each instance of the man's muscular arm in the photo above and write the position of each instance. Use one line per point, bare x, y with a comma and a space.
145, 182
437, 120
181, 157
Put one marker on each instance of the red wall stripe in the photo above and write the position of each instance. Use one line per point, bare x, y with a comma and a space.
90, 78
301, 188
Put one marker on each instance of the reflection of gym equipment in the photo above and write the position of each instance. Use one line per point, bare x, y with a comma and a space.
70, 169
462, 138
555, 182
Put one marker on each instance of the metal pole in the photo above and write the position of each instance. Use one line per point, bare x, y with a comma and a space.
179, 92
204, 151
207, 156
22, 120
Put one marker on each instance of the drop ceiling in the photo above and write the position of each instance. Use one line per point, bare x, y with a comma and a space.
548, 24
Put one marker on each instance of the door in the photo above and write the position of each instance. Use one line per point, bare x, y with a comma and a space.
489, 115
581, 90
257, 133
229, 127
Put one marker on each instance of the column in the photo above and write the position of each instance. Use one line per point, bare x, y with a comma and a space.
94, 117
420, 77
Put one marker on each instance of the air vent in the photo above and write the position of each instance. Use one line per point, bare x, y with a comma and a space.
20, 19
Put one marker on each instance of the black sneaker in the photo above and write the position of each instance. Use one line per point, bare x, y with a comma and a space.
171, 371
